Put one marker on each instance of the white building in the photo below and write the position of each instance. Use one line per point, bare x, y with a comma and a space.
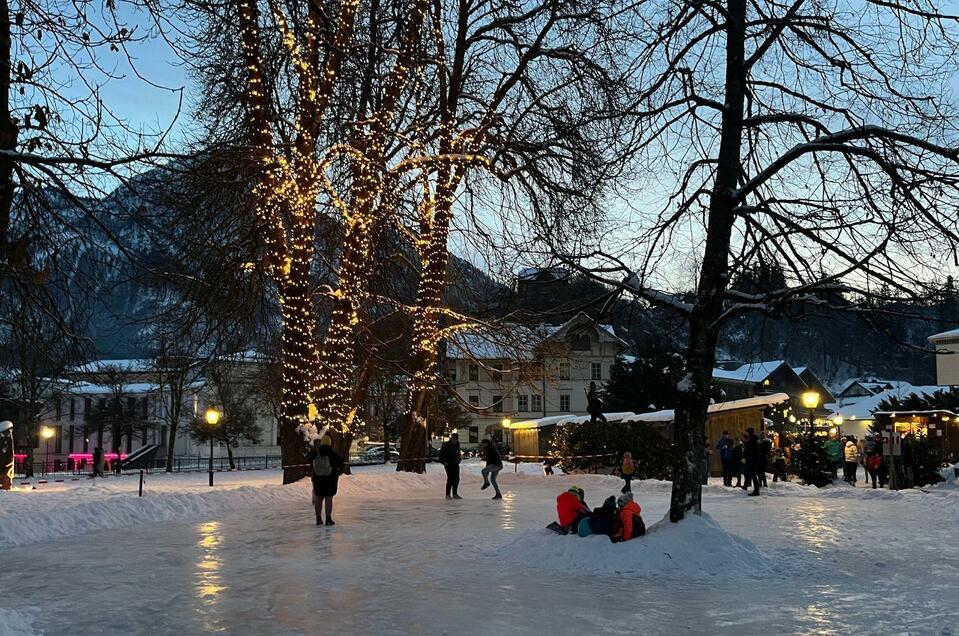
947, 360
528, 372
87, 391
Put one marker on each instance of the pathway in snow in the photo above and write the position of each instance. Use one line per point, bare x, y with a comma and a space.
832, 561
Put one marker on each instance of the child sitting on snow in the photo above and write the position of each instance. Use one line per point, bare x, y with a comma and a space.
631, 524
602, 521
570, 508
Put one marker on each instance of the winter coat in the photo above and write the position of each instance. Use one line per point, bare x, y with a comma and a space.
325, 485
834, 450
629, 466
765, 450
602, 521
725, 448
851, 452
569, 508
491, 455
450, 454
593, 403
751, 453
631, 521
737, 456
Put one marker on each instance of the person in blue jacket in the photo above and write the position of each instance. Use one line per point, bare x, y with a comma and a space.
725, 448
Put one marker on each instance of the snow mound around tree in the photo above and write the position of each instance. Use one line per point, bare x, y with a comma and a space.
697, 548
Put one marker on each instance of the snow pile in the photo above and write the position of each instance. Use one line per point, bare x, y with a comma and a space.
19, 622
696, 548
32, 516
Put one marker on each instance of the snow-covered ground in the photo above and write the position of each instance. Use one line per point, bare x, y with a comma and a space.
245, 557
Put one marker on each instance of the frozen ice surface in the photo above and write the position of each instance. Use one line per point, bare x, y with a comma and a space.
246, 558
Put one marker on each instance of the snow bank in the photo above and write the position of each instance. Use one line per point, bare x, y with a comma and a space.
33, 516
19, 622
697, 548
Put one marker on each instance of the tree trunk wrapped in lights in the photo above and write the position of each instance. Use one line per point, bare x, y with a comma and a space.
286, 197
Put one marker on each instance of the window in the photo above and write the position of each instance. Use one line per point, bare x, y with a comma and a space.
58, 439
522, 403
474, 434
564, 370
452, 373
474, 401
59, 409
87, 407
564, 402
496, 375
537, 403
86, 444
132, 405
497, 403
70, 441
473, 372
580, 341
145, 407
73, 409
596, 371
143, 435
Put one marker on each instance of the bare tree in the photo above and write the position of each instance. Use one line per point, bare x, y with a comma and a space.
816, 135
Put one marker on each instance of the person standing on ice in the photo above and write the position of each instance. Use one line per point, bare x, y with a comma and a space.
765, 453
6, 455
751, 451
494, 464
736, 463
851, 453
98, 460
628, 470
326, 471
594, 406
451, 456
725, 448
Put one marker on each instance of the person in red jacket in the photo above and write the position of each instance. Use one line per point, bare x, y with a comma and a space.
571, 507
631, 524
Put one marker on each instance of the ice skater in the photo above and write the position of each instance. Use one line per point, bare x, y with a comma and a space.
326, 471
628, 471
494, 464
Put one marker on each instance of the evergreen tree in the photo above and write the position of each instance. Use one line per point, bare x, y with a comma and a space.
814, 467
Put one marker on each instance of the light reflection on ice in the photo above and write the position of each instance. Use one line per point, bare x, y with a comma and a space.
209, 584
815, 524
508, 517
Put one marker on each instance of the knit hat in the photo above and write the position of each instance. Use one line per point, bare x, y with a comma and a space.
624, 499
326, 440
576, 490
5, 425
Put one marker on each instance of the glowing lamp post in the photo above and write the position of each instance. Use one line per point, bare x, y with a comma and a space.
212, 419
46, 433
810, 399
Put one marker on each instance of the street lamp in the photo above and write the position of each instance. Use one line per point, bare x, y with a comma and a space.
810, 399
46, 433
212, 419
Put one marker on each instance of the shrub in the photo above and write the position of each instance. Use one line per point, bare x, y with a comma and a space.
649, 448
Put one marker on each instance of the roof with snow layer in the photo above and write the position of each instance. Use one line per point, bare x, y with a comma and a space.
517, 342
864, 407
664, 415
750, 372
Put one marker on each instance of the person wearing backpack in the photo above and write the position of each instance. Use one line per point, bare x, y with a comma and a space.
326, 471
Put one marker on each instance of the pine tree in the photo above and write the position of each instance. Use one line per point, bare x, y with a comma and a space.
813, 462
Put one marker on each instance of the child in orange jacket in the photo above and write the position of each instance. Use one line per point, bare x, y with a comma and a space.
631, 524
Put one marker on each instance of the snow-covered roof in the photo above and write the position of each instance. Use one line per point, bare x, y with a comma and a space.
542, 273
124, 365
664, 415
864, 407
952, 333
562, 420
517, 342
750, 372
133, 388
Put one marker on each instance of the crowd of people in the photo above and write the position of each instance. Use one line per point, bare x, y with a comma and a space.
751, 457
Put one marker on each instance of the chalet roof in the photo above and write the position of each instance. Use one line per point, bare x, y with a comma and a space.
518, 342
864, 407
752, 372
